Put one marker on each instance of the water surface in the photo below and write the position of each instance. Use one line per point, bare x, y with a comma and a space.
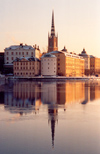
50, 117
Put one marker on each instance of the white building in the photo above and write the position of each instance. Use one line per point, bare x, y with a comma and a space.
86, 57
18, 51
49, 64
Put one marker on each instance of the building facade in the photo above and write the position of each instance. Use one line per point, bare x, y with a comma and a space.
94, 66
69, 64
87, 61
52, 38
26, 67
48, 64
18, 51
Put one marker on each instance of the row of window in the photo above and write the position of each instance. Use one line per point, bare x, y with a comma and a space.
24, 73
23, 68
19, 53
24, 63
51, 59
48, 68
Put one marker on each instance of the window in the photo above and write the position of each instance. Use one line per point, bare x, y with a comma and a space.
26, 53
12, 58
19, 53
16, 53
7, 53
12, 53
7, 58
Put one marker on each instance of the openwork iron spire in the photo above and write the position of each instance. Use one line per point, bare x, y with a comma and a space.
52, 25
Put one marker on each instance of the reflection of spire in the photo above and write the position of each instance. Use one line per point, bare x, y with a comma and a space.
53, 130
53, 119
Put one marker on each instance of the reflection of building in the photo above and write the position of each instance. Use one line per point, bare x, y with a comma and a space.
94, 91
26, 67
52, 39
48, 64
70, 92
49, 92
86, 93
87, 61
24, 98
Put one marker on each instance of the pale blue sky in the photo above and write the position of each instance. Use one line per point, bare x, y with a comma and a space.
77, 23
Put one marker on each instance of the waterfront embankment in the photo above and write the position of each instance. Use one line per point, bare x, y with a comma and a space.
54, 78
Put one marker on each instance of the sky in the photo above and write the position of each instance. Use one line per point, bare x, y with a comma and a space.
77, 23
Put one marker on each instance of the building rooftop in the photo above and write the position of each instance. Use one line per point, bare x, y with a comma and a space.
48, 55
21, 46
64, 49
26, 58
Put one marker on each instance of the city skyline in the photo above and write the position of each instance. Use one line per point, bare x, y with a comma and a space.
76, 22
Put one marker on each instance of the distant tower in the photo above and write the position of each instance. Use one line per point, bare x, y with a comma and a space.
52, 39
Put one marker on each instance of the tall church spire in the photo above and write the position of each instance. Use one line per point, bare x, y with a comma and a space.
52, 39
52, 25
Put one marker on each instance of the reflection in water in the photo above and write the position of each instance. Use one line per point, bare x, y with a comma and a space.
23, 98
27, 97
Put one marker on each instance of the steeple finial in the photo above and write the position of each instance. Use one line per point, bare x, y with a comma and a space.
52, 25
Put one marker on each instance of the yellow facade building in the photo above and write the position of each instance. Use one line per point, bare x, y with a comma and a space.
26, 67
69, 64
94, 65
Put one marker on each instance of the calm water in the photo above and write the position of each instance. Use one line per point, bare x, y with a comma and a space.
50, 118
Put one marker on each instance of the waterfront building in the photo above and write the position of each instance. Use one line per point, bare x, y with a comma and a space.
69, 64
26, 67
1, 62
52, 38
18, 51
94, 65
87, 61
49, 64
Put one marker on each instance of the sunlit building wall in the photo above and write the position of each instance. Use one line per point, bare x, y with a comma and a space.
48, 64
26, 67
94, 65
19, 51
69, 64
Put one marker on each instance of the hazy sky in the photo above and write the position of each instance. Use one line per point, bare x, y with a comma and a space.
77, 23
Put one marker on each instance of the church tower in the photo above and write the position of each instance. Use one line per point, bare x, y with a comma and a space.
52, 38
